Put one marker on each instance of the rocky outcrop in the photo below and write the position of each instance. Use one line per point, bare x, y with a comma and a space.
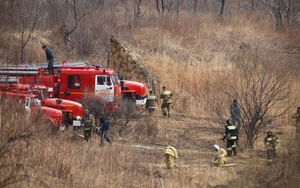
124, 62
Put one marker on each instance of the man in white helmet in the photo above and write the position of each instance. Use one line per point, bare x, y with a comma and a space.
219, 158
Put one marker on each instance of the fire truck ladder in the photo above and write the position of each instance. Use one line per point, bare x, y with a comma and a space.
9, 73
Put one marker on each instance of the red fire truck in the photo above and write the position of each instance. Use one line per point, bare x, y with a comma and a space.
70, 109
32, 106
75, 81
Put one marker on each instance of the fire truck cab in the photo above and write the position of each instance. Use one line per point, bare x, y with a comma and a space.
32, 105
70, 109
73, 83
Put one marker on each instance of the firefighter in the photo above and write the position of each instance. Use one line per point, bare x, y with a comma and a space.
170, 155
297, 117
235, 114
50, 58
166, 105
231, 135
88, 122
151, 103
219, 158
105, 126
271, 142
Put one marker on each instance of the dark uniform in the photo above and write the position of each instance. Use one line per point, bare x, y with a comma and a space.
231, 134
151, 104
50, 59
271, 142
105, 126
166, 105
88, 122
235, 114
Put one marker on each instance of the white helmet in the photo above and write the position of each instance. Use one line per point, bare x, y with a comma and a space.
216, 147
78, 118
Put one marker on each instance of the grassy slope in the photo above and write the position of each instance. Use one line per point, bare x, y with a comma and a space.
186, 54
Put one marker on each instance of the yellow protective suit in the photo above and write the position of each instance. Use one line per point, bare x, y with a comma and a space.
220, 157
170, 155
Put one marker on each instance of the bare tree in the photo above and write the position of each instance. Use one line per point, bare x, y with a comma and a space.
222, 8
79, 10
195, 5
177, 6
162, 6
137, 10
252, 4
157, 6
27, 21
283, 12
263, 96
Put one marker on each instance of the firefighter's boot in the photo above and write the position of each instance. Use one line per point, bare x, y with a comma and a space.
229, 152
165, 113
234, 151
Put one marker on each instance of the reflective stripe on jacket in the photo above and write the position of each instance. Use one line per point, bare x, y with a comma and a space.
88, 121
271, 142
231, 132
297, 117
166, 96
151, 101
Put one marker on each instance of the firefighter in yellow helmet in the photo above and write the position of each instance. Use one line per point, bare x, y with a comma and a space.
271, 142
166, 105
297, 117
170, 155
151, 103
219, 158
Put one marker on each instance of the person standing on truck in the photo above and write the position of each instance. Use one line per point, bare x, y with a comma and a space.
166, 105
105, 126
88, 122
151, 103
50, 58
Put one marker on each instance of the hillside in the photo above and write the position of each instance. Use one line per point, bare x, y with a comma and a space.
204, 60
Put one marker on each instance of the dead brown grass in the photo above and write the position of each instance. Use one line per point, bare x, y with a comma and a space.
188, 53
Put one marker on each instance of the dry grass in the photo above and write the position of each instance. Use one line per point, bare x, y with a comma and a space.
187, 53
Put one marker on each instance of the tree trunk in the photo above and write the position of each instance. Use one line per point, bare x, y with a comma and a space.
222, 8
195, 5
157, 6
178, 4
22, 46
162, 6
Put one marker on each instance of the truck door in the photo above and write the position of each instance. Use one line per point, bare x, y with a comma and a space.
27, 106
27, 103
104, 87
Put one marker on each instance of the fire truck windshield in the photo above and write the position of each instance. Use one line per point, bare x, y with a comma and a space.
41, 94
45, 94
114, 79
37, 93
